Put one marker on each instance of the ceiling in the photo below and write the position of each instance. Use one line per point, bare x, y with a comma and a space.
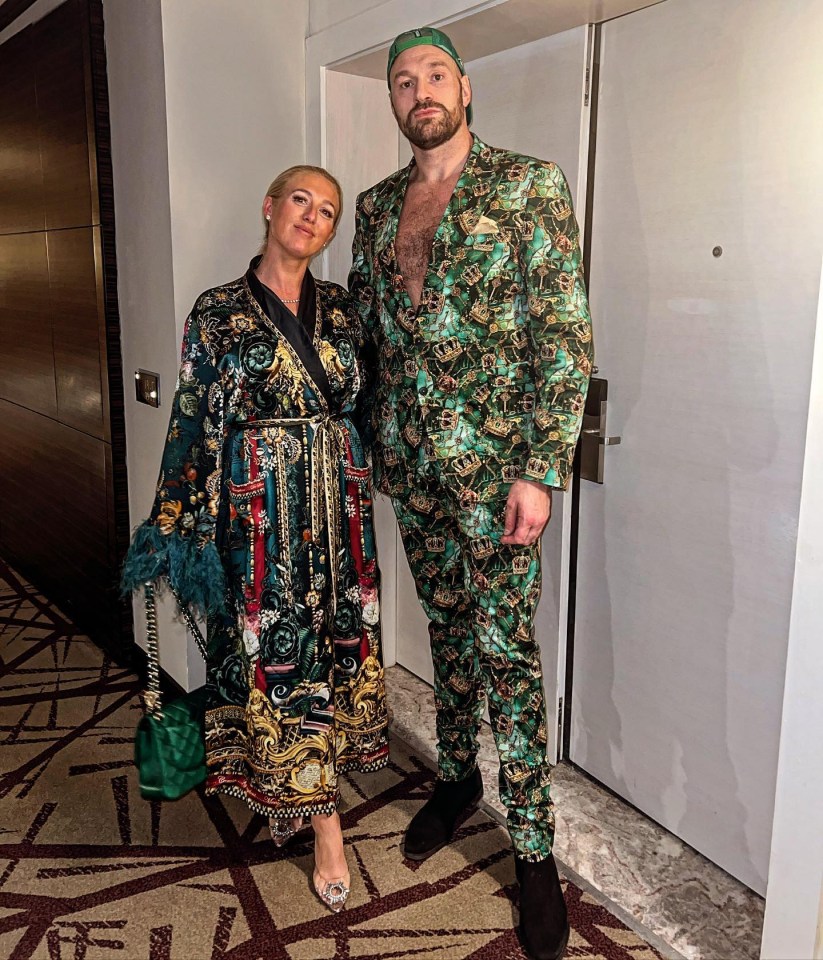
503, 26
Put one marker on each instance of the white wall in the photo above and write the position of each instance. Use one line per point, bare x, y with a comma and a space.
793, 896
235, 102
529, 99
137, 96
327, 13
207, 106
361, 105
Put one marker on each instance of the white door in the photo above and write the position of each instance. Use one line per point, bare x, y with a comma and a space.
686, 553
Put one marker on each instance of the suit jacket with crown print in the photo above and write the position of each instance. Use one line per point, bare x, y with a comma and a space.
488, 377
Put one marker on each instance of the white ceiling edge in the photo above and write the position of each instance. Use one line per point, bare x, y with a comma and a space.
506, 25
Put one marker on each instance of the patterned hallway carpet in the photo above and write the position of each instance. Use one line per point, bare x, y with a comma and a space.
89, 871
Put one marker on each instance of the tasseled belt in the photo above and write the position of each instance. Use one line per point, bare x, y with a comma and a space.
322, 480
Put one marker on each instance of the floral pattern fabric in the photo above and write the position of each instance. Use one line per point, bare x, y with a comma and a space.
263, 521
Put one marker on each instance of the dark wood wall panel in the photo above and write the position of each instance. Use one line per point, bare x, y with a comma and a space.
27, 355
28, 484
63, 119
22, 205
10, 10
63, 489
55, 511
81, 512
24, 526
75, 315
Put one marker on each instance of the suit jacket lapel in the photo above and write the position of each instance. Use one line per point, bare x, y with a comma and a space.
469, 202
386, 218
472, 195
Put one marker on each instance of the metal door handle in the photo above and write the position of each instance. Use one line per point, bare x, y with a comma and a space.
593, 439
604, 441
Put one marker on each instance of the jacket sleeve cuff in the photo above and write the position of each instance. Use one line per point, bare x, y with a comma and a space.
554, 472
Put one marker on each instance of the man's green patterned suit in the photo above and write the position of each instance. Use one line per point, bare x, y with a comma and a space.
482, 385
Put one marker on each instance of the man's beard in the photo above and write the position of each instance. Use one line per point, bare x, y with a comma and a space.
431, 132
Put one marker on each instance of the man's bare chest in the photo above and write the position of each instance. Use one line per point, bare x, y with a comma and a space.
422, 212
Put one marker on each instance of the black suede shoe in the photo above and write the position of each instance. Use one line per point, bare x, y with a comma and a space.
434, 823
544, 924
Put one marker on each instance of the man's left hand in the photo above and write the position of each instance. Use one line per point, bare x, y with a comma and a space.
528, 510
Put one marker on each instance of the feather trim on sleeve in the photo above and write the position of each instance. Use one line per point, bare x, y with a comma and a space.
192, 567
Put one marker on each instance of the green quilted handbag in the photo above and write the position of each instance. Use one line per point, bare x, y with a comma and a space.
169, 749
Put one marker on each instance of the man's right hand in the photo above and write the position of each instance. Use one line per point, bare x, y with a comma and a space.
528, 510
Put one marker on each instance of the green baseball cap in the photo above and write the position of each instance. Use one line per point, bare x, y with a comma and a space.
425, 36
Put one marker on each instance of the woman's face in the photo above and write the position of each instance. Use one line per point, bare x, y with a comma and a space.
302, 219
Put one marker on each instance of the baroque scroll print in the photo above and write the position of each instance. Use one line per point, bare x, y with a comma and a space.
263, 519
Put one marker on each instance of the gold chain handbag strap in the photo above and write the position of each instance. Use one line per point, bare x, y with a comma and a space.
152, 697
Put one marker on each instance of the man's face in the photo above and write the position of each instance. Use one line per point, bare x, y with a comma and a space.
428, 96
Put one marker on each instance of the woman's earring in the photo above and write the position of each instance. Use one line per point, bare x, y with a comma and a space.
268, 216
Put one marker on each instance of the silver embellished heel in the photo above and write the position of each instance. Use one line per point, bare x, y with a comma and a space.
283, 830
333, 893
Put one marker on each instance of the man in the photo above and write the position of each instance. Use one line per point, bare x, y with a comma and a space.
467, 271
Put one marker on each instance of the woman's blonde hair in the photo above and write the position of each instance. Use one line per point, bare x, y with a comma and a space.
281, 181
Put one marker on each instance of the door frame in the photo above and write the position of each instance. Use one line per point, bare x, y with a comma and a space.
571, 529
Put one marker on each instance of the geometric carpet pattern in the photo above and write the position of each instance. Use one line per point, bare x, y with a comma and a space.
89, 871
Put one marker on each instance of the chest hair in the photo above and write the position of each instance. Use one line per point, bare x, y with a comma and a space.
423, 209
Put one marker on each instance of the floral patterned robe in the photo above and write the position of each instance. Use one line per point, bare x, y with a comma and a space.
263, 521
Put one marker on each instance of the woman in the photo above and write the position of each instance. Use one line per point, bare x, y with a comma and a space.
263, 520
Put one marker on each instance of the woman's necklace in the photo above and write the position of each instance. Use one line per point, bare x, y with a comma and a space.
281, 299
285, 300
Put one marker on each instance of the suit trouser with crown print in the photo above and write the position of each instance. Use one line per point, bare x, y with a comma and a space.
481, 596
